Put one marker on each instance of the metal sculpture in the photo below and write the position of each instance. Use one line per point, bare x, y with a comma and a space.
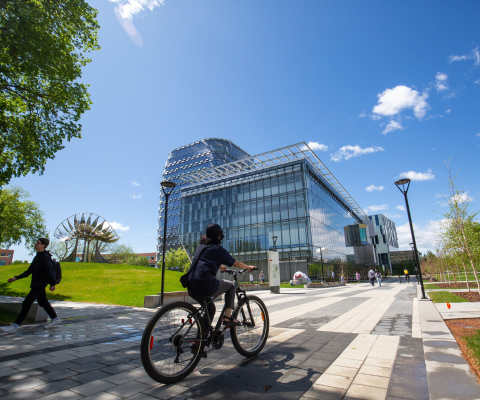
98, 230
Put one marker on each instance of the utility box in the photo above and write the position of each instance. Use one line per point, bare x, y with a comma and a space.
273, 272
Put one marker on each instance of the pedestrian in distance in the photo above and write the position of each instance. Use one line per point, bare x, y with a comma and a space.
333, 276
371, 276
43, 274
379, 278
357, 276
251, 278
407, 275
342, 278
262, 277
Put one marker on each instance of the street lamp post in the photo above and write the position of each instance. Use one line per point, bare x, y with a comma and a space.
289, 265
274, 238
321, 263
402, 183
413, 259
167, 188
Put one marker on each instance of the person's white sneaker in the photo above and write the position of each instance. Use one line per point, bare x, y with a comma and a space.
9, 329
53, 323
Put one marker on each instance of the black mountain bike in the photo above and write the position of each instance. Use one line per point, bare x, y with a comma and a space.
174, 339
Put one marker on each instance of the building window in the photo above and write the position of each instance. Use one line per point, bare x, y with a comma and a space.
376, 220
3, 262
3, 255
152, 258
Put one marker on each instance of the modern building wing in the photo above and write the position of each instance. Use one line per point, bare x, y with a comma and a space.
185, 160
287, 193
384, 236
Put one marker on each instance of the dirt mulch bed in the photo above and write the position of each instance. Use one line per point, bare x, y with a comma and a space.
470, 296
460, 329
454, 285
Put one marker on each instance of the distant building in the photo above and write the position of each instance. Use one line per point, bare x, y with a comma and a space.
401, 255
384, 236
152, 258
6, 256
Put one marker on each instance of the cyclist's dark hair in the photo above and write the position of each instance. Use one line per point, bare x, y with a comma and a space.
44, 241
214, 235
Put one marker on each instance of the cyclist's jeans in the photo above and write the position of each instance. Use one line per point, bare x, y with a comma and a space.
226, 287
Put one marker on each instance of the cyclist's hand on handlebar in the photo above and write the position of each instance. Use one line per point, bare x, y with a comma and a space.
223, 268
251, 268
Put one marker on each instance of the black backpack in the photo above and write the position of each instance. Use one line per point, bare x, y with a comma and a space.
58, 269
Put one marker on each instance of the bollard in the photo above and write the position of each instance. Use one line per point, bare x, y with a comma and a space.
399, 279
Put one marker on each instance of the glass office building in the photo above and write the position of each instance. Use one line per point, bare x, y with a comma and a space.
196, 156
287, 193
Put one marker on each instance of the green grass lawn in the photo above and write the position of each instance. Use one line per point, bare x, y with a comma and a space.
124, 285
446, 297
473, 343
7, 317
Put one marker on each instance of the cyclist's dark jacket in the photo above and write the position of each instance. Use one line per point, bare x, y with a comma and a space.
42, 271
203, 282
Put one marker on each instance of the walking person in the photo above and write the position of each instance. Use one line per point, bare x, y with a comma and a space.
251, 278
342, 278
379, 278
357, 276
43, 274
371, 276
333, 276
407, 275
262, 277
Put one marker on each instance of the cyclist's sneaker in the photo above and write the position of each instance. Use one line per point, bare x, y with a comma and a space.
9, 329
229, 321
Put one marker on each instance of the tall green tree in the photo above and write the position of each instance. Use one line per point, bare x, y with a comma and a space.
21, 219
176, 259
42, 51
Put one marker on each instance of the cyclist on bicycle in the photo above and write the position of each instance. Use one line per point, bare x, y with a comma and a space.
203, 282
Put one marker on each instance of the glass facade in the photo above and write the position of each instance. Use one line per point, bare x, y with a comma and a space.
385, 235
196, 156
291, 201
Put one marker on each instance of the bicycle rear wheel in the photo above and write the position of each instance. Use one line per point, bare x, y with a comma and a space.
247, 339
171, 344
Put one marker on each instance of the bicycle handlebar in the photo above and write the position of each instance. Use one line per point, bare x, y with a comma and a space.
235, 273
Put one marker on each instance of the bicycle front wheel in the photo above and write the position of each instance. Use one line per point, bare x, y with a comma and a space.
171, 344
249, 338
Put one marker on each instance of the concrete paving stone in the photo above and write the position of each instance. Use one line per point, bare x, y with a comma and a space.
28, 394
22, 385
91, 376
7, 371
53, 387
10, 363
324, 393
86, 360
66, 394
354, 356
382, 355
92, 366
34, 358
21, 375
409, 392
280, 392
366, 392
408, 380
58, 367
165, 392
93, 387
379, 371
102, 396
371, 380
329, 356
346, 362
379, 362
59, 359
149, 381
118, 368
31, 365
128, 389
410, 361
114, 360
305, 380
143, 396
57, 375
340, 382
122, 378
417, 369
342, 371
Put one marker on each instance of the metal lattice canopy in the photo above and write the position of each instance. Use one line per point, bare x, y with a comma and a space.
268, 159
94, 227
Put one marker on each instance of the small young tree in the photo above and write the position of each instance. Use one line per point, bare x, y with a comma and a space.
176, 259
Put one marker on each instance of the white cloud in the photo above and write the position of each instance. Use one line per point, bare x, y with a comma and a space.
478, 134
477, 81
136, 196
118, 226
347, 152
388, 215
401, 208
136, 183
462, 198
448, 111
376, 208
371, 188
363, 114
425, 237
393, 101
392, 126
418, 176
128, 8
441, 81
473, 55
317, 146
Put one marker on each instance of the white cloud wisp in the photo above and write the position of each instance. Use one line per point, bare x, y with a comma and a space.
136, 196
317, 146
392, 126
418, 176
371, 188
118, 226
347, 152
473, 55
128, 8
135, 183
401, 208
376, 207
425, 237
394, 101
441, 81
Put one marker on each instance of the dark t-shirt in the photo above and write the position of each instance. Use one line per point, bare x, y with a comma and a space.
203, 282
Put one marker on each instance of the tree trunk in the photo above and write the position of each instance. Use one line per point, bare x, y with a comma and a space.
466, 275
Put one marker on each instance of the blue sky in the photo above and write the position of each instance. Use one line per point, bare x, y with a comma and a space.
382, 89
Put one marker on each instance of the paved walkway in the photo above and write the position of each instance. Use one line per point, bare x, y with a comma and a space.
352, 342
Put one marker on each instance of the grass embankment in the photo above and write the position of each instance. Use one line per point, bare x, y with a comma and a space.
467, 334
446, 297
119, 284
